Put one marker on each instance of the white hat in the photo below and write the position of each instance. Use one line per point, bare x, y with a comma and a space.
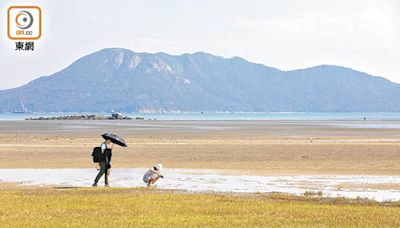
157, 167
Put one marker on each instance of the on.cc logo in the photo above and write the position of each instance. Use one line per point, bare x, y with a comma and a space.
24, 22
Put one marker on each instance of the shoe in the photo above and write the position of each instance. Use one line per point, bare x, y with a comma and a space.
106, 185
94, 185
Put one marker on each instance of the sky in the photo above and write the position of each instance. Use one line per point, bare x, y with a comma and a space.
286, 34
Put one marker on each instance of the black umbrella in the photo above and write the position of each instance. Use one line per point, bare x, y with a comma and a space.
115, 139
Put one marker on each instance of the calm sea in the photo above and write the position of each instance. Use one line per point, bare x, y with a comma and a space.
230, 116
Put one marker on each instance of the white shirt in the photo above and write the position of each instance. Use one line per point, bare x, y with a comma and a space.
103, 147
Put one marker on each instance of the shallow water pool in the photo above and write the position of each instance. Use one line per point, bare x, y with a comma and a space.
214, 181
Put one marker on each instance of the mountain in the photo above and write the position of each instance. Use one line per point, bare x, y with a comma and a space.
126, 81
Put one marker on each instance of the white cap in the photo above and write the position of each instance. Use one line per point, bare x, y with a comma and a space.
157, 167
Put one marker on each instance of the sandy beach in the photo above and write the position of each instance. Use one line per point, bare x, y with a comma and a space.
234, 147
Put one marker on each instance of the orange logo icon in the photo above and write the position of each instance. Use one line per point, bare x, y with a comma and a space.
24, 22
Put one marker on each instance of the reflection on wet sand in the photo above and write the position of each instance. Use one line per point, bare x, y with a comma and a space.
350, 186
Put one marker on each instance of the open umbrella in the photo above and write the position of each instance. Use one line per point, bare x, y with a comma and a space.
115, 139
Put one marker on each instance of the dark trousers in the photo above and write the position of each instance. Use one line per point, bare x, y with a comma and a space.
103, 170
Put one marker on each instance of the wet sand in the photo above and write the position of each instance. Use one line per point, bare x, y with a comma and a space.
233, 147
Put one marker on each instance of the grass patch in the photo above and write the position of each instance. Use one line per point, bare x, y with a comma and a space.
94, 207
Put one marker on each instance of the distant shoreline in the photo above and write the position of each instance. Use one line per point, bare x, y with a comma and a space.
207, 116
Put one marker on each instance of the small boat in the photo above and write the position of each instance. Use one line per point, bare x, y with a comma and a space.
23, 110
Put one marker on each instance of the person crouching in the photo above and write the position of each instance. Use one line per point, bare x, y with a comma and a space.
153, 174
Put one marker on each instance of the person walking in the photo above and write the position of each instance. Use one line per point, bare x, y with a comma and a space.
104, 162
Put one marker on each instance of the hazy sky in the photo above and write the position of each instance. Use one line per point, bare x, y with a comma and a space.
361, 34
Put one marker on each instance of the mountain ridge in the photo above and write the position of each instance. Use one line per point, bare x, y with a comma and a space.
120, 79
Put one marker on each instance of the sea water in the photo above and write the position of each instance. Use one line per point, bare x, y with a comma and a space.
228, 115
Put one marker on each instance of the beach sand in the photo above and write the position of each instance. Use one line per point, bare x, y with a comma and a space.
234, 147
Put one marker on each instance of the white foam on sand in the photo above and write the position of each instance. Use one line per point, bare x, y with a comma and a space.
209, 180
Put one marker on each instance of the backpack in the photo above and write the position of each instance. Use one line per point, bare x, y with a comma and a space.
96, 154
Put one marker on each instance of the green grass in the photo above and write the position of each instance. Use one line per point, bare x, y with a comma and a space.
152, 208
